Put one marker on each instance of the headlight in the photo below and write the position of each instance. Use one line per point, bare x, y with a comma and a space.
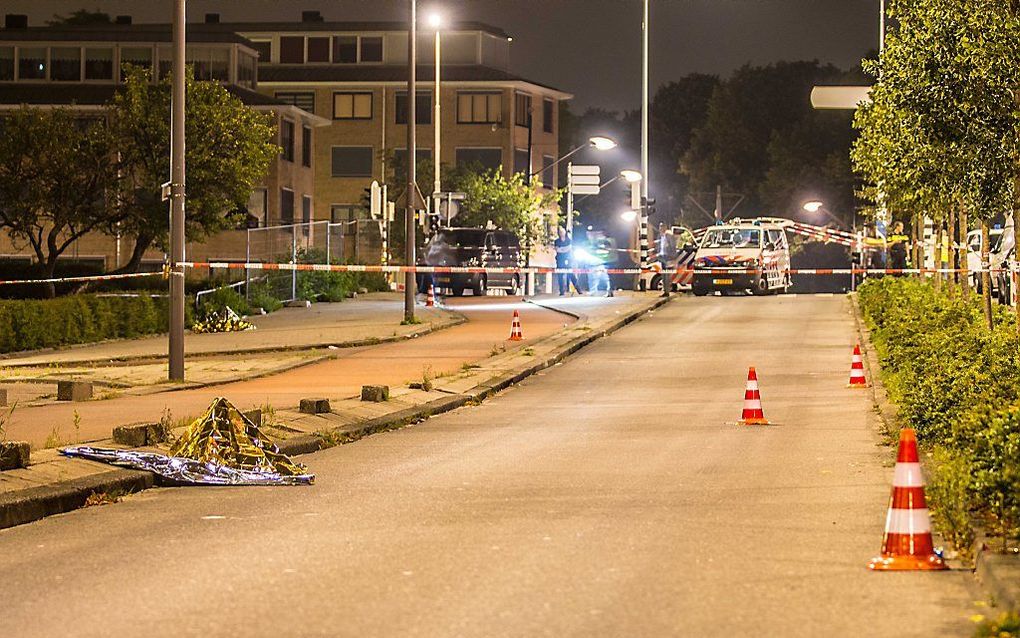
582, 255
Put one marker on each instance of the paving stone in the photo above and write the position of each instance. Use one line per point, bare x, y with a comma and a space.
14, 454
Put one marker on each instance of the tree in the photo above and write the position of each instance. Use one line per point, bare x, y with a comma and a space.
58, 181
229, 150
508, 203
80, 17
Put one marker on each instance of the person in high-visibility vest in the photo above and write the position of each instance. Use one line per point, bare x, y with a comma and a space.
896, 244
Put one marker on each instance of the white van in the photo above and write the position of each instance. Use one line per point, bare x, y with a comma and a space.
744, 255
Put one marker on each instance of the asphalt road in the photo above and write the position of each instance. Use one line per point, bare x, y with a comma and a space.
612, 495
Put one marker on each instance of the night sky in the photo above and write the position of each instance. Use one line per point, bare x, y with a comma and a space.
590, 48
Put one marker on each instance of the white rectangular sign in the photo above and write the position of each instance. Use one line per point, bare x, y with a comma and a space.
586, 189
577, 180
585, 169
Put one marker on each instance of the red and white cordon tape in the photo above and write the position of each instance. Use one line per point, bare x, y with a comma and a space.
236, 265
61, 280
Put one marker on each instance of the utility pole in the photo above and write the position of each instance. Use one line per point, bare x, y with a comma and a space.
645, 180
718, 203
175, 349
412, 189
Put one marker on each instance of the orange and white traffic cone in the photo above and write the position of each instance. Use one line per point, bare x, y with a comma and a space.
907, 543
430, 299
515, 328
857, 378
752, 414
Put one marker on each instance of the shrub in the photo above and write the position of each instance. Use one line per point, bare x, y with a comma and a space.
221, 298
260, 295
31, 324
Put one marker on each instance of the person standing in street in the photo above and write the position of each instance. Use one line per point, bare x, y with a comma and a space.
897, 246
666, 253
564, 246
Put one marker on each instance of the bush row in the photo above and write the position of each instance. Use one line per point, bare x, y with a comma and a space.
956, 382
30, 324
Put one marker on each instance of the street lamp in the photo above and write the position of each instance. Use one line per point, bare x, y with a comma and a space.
630, 176
435, 21
628, 215
814, 206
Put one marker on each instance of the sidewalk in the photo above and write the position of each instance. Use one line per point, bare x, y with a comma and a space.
288, 338
470, 362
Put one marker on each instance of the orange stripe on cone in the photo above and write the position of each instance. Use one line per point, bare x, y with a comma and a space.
857, 378
907, 543
515, 328
430, 300
753, 413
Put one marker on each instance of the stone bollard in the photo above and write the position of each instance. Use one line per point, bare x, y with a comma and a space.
74, 390
14, 454
131, 435
255, 416
375, 393
3, 397
314, 406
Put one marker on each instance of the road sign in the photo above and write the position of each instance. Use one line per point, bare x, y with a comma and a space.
586, 189
585, 169
578, 180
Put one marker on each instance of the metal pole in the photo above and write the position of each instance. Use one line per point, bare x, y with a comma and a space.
411, 194
645, 178
247, 260
328, 254
437, 125
570, 202
177, 176
881, 28
718, 203
293, 260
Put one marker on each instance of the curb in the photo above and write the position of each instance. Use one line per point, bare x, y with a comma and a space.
993, 572
26, 506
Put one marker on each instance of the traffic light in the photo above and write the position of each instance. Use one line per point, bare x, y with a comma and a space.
648, 203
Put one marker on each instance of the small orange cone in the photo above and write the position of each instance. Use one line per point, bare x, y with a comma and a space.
907, 543
753, 414
857, 378
515, 328
430, 299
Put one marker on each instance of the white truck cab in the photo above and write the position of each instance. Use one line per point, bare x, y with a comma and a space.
744, 255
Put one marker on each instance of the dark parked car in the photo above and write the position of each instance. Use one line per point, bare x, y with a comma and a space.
474, 247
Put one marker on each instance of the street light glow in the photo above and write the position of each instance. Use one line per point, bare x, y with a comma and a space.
435, 20
631, 176
628, 215
813, 206
602, 143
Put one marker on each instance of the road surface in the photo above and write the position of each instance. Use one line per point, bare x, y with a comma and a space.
613, 495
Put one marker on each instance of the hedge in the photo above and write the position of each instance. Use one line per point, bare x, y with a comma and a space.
30, 324
957, 383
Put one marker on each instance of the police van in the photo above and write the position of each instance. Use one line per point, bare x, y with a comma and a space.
743, 255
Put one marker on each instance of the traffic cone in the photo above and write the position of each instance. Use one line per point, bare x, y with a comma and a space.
753, 414
907, 543
430, 299
515, 328
857, 378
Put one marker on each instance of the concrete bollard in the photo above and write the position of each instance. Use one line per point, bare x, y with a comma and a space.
14, 454
131, 435
375, 393
255, 416
314, 406
74, 390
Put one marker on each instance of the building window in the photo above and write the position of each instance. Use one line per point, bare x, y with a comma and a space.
479, 108
352, 106
521, 163
246, 65
484, 158
304, 100
292, 49
32, 63
65, 64
306, 209
345, 49
318, 49
347, 213
547, 115
422, 107
306, 146
522, 106
287, 139
98, 64
371, 49
352, 161
7, 63
549, 171
219, 64
264, 48
135, 56
286, 206
258, 206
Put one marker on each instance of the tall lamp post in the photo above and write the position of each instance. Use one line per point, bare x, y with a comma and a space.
597, 142
412, 153
644, 137
436, 21
175, 347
